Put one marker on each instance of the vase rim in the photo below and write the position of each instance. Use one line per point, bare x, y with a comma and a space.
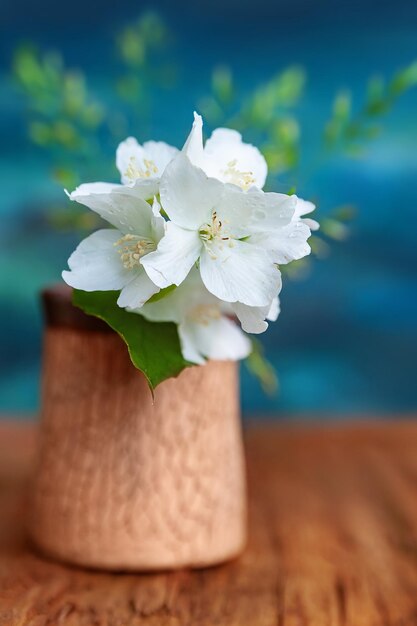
59, 311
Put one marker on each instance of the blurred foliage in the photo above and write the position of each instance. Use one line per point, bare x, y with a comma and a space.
71, 123
74, 126
63, 117
142, 47
76, 129
259, 366
350, 131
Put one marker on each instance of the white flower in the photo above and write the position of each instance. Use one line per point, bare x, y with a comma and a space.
111, 259
226, 157
205, 332
143, 165
218, 225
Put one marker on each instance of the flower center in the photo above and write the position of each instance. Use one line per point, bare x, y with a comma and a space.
204, 314
132, 248
236, 177
216, 231
134, 171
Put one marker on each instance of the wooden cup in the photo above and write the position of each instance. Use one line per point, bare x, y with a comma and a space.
124, 481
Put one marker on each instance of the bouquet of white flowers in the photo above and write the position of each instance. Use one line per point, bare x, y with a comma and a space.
191, 263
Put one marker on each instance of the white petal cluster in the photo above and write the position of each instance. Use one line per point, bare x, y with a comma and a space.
196, 224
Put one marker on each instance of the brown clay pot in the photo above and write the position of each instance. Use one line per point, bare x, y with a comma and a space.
124, 482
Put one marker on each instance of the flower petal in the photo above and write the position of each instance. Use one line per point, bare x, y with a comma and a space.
175, 306
244, 213
238, 210
137, 291
285, 244
189, 346
274, 210
93, 188
253, 318
304, 207
243, 273
274, 310
119, 205
160, 153
232, 161
188, 196
218, 339
177, 252
95, 264
158, 223
312, 224
144, 188
193, 147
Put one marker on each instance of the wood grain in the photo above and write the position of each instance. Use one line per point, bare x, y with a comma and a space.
333, 542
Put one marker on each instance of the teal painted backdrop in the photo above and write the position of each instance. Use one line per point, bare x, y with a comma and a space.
346, 341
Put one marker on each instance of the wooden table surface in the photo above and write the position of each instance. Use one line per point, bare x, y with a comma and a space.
333, 542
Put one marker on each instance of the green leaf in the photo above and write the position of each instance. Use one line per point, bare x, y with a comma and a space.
162, 293
154, 348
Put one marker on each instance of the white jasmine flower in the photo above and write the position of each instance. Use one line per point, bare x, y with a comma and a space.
205, 332
218, 225
143, 165
226, 157
111, 259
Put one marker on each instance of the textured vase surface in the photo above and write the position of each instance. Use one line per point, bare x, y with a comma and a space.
125, 481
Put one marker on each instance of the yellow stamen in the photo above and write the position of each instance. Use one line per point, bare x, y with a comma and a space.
132, 248
134, 171
236, 177
215, 231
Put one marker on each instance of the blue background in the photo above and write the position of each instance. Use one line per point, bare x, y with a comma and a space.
346, 341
